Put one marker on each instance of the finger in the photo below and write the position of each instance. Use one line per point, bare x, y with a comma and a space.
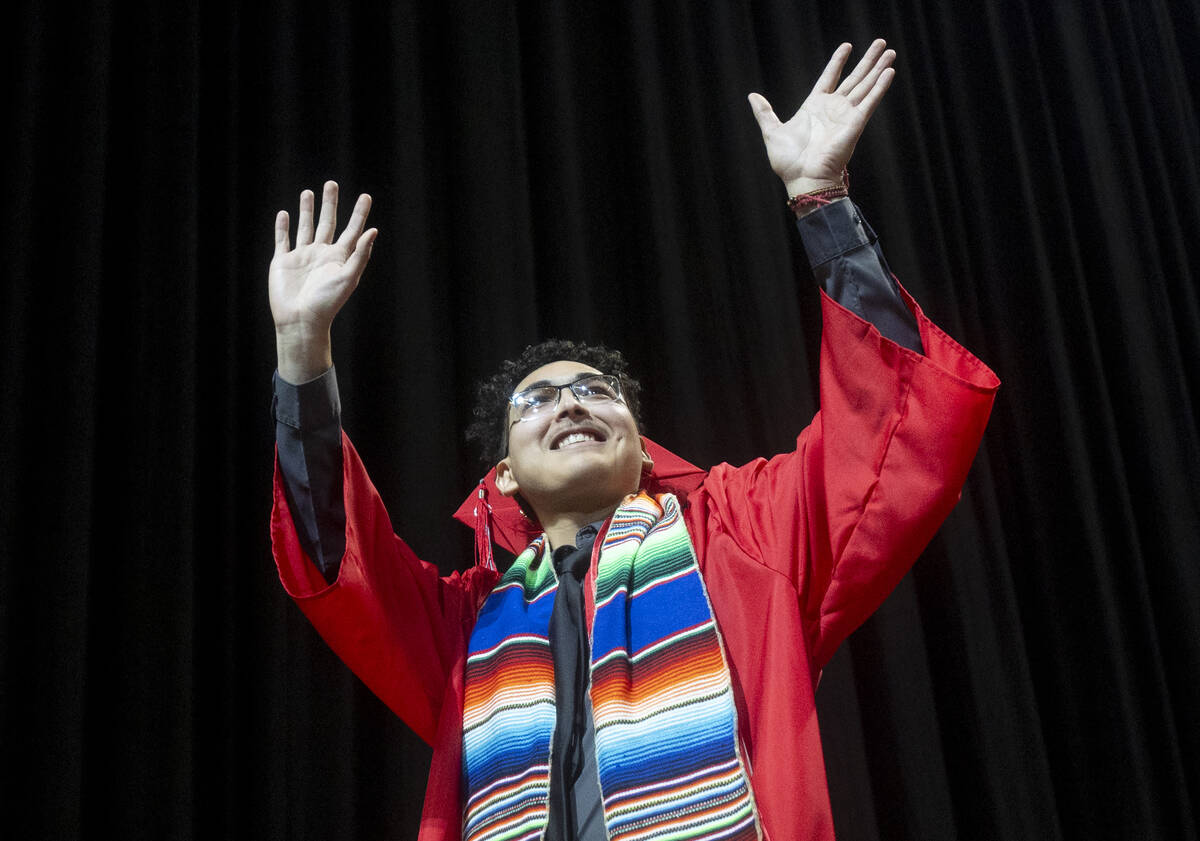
304, 224
871, 100
829, 76
763, 112
862, 88
358, 219
362, 253
282, 224
864, 66
328, 221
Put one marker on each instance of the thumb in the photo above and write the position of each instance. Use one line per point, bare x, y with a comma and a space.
763, 112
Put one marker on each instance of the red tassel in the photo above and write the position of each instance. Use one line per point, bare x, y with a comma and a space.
483, 530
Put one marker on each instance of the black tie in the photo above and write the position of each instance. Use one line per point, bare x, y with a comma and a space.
569, 649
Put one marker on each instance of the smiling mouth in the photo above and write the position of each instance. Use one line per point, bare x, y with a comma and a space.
574, 439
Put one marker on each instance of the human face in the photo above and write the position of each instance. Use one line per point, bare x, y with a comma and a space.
581, 457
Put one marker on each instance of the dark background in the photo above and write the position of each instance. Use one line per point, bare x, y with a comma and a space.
589, 170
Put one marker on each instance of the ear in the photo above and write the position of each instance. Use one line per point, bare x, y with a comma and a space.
506, 482
647, 462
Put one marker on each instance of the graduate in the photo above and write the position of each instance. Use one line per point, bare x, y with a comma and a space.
646, 667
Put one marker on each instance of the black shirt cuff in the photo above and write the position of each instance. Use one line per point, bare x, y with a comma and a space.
847, 260
309, 406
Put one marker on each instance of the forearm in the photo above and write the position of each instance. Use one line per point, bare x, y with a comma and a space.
308, 439
303, 352
846, 259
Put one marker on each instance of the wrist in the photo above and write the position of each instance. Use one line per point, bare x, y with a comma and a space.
303, 354
808, 193
805, 184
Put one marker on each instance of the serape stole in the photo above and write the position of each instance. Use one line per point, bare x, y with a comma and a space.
667, 753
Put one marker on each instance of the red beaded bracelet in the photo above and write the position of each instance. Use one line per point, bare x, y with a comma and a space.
821, 197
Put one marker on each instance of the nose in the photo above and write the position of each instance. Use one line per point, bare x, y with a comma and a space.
569, 405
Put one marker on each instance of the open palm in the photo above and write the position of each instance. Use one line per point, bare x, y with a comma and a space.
308, 284
815, 145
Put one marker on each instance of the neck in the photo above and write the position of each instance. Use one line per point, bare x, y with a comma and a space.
562, 526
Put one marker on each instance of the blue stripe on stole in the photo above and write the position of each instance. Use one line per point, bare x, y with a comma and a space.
656, 613
509, 615
667, 745
526, 732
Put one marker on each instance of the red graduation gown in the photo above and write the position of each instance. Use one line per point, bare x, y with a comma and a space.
796, 551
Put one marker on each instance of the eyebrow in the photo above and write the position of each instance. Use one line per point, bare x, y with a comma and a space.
572, 378
537, 384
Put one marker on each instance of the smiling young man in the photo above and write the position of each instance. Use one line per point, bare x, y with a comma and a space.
646, 667
573, 447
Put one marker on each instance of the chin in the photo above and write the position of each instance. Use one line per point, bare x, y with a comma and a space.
593, 489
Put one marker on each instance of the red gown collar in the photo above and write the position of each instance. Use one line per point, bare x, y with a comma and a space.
498, 518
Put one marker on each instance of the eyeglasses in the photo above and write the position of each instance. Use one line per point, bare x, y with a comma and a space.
590, 389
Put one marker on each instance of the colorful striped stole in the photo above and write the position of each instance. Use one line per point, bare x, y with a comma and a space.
666, 726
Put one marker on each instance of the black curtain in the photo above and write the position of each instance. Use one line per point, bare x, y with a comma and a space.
590, 171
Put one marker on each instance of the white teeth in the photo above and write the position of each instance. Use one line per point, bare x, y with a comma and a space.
576, 438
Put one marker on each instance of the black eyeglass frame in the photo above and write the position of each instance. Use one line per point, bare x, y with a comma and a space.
516, 402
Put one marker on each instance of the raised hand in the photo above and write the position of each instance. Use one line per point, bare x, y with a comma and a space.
309, 284
811, 149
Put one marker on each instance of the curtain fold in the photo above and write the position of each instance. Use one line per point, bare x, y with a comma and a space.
590, 171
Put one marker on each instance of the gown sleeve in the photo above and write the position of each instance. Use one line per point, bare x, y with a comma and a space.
398, 624
845, 514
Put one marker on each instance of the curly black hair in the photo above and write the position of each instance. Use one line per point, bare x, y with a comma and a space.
488, 430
